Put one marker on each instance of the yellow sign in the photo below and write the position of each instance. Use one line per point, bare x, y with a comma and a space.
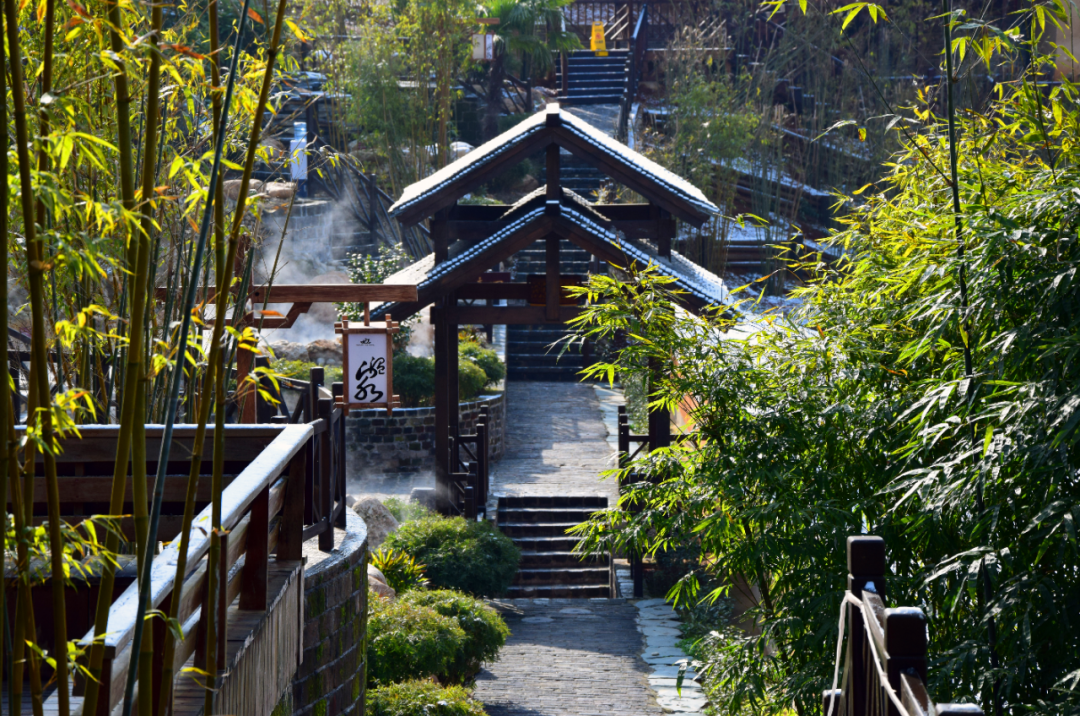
596, 42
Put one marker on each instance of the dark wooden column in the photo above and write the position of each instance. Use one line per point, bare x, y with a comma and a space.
665, 229
551, 310
446, 397
553, 177
440, 234
659, 420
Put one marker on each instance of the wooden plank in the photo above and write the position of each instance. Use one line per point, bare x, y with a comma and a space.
291, 544
494, 291
98, 488
333, 293
502, 315
256, 558
236, 499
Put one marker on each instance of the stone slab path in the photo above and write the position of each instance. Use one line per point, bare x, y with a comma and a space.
569, 657
556, 443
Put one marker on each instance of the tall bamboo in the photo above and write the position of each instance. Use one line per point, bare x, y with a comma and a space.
176, 377
132, 424
36, 267
5, 396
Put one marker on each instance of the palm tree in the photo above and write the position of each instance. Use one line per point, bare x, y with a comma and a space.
532, 30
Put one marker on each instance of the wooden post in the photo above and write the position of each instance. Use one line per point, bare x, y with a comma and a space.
253, 589
565, 79
482, 456
469, 507
446, 400
554, 290
905, 647
338, 391
554, 179
290, 544
830, 702
325, 477
244, 394
659, 420
440, 235
866, 570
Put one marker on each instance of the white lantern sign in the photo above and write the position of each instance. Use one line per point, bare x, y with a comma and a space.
367, 362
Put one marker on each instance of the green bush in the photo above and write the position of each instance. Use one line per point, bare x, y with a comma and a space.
404, 511
409, 642
414, 379
487, 359
485, 630
402, 572
472, 557
421, 698
301, 370
471, 379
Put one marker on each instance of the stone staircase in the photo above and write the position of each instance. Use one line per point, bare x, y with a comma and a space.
549, 568
527, 354
592, 79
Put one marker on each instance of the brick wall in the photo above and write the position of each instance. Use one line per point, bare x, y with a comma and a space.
404, 442
331, 678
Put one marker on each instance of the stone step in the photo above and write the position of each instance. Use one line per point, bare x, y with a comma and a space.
540, 360
563, 576
536, 529
593, 501
560, 559
545, 545
544, 514
570, 591
542, 374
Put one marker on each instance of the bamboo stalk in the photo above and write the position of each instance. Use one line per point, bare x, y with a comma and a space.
173, 396
138, 261
6, 445
39, 375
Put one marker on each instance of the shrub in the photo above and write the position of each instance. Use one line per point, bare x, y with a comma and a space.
485, 630
402, 572
421, 698
472, 557
409, 642
301, 370
414, 379
486, 359
404, 511
471, 379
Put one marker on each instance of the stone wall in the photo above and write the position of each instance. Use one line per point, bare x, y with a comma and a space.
404, 442
332, 676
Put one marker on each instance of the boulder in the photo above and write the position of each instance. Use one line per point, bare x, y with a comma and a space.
376, 573
287, 350
325, 352
380, 521
279, 189
231, 188
528, 183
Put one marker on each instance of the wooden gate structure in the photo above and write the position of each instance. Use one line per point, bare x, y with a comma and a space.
472, 240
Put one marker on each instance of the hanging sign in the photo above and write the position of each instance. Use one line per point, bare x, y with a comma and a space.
368, 364
483, 47
597, 43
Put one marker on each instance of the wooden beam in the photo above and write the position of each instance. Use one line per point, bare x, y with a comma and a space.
553, 292
553, 177
334, 293
440, 236
501, 315
494, 291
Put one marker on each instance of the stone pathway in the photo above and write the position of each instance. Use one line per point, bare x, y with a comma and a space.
556, 443
568, 657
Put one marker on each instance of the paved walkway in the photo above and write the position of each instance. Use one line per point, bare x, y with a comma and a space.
569, 657
556, 443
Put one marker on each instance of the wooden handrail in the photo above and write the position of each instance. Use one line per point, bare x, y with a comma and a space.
638, 44
257, 489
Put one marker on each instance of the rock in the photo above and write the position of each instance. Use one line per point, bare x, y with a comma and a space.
380, 521
279, 189
231, 188
460, 149
351, 500
287, 350
528, 183
376, 573
325, 352
275, 149
381, 589
425, 496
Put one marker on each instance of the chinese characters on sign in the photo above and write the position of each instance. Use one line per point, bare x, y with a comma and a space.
368, 364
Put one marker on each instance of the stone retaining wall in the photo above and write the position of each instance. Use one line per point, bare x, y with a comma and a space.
404, 442
332, 677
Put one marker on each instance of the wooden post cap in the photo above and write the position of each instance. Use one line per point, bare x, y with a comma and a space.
905, 632
553, 118
866, 556
830, 702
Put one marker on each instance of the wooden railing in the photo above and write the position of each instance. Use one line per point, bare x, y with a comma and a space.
471, 464
262, 512
885, 667
638, 44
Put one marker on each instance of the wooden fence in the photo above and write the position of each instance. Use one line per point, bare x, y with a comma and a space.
885, 663
470, 469
283, 484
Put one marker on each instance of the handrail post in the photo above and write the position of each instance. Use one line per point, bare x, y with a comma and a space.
326, 503
866, 570
482, 462
469, 508
338, 391
253, 587
905, 647
290, 544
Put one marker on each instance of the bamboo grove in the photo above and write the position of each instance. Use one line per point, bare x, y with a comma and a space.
122, 120
923, 389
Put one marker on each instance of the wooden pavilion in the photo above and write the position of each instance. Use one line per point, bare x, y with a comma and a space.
471, 240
